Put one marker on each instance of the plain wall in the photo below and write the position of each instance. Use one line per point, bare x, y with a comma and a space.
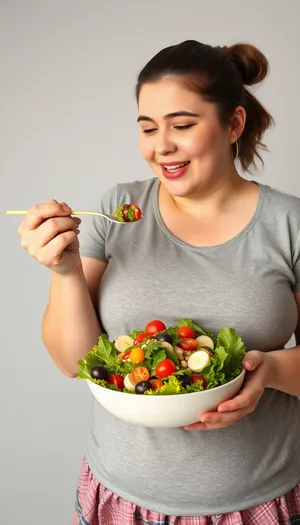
68, 131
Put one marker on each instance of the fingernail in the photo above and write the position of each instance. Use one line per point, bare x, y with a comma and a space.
66, 208
224, 409
206, 420
249, 362
77, 220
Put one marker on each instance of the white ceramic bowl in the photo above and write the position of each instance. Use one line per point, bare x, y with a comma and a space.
164, 411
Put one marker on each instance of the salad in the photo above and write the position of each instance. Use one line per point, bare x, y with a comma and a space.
162, 361
128, 213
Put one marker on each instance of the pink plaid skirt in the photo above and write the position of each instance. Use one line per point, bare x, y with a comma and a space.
96, 505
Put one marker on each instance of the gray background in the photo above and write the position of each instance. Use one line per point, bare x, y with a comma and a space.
68, 131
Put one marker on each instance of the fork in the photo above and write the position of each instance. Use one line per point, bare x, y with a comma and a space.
111, 218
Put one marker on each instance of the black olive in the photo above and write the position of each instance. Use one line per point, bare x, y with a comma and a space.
142, 386
99, 372
166, 338
206, 348
184, 379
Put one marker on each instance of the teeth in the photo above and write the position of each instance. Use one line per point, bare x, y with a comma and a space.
173, 168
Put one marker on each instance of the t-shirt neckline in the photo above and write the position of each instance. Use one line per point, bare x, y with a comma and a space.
260, 204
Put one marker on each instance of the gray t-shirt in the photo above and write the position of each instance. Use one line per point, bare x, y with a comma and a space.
247, 283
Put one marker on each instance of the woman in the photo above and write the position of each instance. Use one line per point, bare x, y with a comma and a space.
214, 247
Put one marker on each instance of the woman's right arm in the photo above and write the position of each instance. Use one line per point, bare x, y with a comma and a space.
70, 327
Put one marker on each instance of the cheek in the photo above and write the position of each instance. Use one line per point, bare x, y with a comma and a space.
205, 143
146, 149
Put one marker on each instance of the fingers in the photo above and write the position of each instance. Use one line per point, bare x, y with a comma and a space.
247, 398
224, 419
253, 359
54, 226
51, 253
195, 426
38, 213
34, 240
214, 421
231, 411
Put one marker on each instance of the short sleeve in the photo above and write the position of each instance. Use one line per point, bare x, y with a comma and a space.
94, 230
296, 265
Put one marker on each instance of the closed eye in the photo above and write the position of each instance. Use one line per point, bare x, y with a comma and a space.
186, 126
182, 128
149, 130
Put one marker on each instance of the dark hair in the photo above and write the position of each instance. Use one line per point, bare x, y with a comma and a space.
219, 75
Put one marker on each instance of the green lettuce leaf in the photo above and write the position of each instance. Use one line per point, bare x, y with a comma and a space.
104, 354
195, 387
151, 347
119, 214
171, 386
130, 214
158, 356
135, 333
236, 350
154, 354
126, 367
106, 351
103, 383
85, 364
214, 372
172, 331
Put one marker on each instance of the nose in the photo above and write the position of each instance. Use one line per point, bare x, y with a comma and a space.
164, 144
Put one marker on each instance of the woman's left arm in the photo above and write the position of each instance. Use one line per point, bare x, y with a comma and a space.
285, 364
279, 369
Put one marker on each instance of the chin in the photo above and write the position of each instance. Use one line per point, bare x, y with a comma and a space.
180, 188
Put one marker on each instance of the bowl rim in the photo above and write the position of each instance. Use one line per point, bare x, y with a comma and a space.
216, 388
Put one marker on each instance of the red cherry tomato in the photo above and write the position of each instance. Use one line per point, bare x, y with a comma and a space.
156, 383
154, 327
139, 338
137, 212
196, 377
165, 368
188, 344
140, 373
132, 207
116, 379
186, 331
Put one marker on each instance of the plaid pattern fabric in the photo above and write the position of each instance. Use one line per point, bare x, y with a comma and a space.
96, 505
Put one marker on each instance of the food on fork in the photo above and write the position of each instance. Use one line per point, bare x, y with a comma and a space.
128, 213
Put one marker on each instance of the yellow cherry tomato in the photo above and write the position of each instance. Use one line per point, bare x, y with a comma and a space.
137, 355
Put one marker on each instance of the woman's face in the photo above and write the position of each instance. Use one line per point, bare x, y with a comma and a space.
181, 138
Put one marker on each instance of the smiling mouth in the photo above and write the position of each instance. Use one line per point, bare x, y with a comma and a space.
175, 167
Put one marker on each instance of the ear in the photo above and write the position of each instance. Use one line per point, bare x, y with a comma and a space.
237, 123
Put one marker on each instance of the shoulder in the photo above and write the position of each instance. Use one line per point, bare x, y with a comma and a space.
286, 201
281, 204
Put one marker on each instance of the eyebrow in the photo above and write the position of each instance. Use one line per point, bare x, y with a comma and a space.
169, 116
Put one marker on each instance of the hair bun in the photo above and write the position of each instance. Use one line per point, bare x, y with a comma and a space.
252, 65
